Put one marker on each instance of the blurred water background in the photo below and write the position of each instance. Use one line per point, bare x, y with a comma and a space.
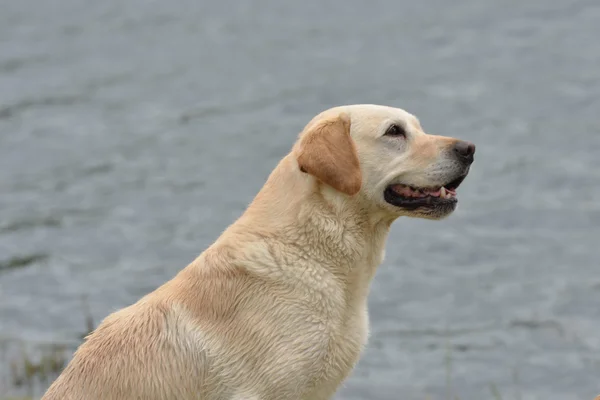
132, 132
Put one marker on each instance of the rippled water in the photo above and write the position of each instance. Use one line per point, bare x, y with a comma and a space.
132, 132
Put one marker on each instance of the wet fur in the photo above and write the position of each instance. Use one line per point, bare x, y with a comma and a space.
276, 308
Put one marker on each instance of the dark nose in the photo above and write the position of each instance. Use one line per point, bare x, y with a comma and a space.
464, 150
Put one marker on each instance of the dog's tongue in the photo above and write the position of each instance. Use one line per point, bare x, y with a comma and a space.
406, 191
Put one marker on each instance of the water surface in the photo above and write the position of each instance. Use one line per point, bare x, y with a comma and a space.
132, 132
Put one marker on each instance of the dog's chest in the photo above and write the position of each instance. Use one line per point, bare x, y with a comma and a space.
347, 344
342, 350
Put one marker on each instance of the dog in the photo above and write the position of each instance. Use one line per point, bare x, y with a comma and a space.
276, 307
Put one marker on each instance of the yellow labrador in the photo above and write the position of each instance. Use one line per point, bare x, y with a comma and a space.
276, 308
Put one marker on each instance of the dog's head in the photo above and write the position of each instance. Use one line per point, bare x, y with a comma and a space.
382, 157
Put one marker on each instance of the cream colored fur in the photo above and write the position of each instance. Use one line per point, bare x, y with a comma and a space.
276, 308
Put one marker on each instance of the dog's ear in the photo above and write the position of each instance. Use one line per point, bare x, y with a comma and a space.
327, 152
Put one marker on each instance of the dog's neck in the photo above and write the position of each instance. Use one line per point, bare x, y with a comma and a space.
336, 232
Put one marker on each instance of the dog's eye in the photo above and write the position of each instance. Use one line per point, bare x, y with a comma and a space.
396, 131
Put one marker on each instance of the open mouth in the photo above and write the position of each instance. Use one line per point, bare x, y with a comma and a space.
411, 198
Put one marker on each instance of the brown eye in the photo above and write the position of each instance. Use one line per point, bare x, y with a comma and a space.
395, 131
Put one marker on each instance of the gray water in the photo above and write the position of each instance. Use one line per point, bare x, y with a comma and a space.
132, 132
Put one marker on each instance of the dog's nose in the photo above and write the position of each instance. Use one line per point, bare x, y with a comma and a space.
464, 150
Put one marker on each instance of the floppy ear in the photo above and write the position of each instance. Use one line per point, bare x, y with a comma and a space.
327, 152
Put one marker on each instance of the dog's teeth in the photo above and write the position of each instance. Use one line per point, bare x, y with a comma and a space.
443, 192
